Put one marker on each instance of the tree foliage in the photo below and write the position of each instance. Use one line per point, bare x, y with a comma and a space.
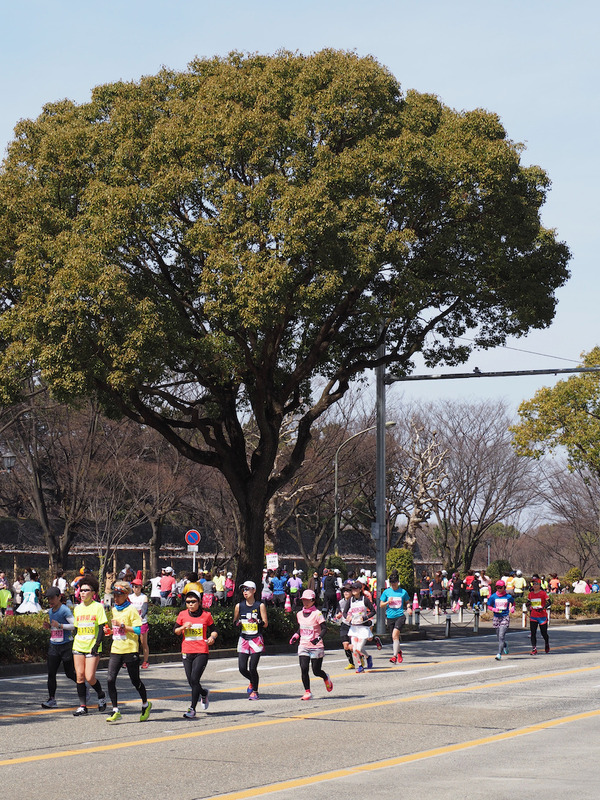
566, 415
401, 560
195, 247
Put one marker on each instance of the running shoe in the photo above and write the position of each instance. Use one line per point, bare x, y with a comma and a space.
349, 666
400, 659
145, 712
377, 641
328, 684
102, 704
253, 696
533, 652
145, 665
114, 717
394, 659
190, 713
499, 657
505, 648
547, 648
49, 703
81, 711
306, 696
204, 702
369, 662
360, 669
249, 689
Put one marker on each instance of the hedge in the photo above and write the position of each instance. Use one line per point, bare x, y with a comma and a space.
24, 639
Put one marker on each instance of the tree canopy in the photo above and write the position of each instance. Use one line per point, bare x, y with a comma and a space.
196, 247
566, 415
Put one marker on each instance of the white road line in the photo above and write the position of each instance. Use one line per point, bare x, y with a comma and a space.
465, 672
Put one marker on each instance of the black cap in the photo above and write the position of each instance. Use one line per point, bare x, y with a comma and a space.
53, 591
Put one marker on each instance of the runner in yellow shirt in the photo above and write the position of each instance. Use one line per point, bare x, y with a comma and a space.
126, 629
90, 617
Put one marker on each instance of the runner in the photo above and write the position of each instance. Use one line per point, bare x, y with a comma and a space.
60, 648
311, 649
359, 615
196, 625
395, 599
90, 618
502, 604
538, 604
126, 629
344, 627
140, 602
251, 615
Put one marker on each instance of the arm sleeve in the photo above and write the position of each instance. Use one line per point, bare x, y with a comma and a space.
70, 624
144, 610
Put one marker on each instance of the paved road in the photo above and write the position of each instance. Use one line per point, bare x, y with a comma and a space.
449, 721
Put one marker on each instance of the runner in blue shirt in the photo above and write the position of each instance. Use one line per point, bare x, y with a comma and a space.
395, 599
60, 649
503, 605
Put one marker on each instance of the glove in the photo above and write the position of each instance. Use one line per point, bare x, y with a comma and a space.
94, 650
295, 638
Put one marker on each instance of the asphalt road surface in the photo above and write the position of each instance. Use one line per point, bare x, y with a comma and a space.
449, 721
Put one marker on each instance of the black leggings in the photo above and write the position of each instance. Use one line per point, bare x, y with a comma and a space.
317, 664
194, 665
533, 625
132, 664
57, 655
248, 666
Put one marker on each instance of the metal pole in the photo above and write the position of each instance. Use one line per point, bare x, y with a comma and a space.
379, 528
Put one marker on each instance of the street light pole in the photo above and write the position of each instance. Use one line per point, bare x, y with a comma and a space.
336, 514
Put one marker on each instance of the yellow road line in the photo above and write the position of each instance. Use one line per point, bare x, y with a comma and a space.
290, 719
407, 759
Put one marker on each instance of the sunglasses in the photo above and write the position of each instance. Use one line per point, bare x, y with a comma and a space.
192, 600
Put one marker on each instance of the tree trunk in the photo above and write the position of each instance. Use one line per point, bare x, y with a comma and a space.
252, 543
155, 544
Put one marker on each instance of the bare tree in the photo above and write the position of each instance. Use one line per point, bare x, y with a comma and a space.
55, 448
573, 497
485, 481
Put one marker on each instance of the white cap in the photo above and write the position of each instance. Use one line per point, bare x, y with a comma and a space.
168, 569
248, 585
229, 575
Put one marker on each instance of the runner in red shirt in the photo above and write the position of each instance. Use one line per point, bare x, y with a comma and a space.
538, 604
198, 630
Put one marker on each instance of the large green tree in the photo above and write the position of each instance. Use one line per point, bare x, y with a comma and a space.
195, 248
566, 415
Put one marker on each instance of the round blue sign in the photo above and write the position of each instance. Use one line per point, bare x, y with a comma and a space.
192, 537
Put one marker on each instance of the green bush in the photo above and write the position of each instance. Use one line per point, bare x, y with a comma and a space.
401, 560
337, 562
499, 568
574, 574
23, 639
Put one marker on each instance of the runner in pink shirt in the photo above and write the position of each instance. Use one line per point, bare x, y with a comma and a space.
311, 649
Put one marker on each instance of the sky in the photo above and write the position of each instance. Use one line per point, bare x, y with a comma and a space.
536, 64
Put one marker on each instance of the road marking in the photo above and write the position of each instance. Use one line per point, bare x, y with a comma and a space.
407, 759
467, 672
293, 718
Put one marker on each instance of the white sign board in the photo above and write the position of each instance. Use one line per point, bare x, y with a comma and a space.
192, 548
272, 560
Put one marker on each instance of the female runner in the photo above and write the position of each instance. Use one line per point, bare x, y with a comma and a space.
90, 619
197, 627
251, 615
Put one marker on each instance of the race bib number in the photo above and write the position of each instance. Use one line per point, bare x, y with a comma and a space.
195, 633
307, 633
249, 626
86, 634
57, 636
395, 602
501, 604
536, 603
118, 634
